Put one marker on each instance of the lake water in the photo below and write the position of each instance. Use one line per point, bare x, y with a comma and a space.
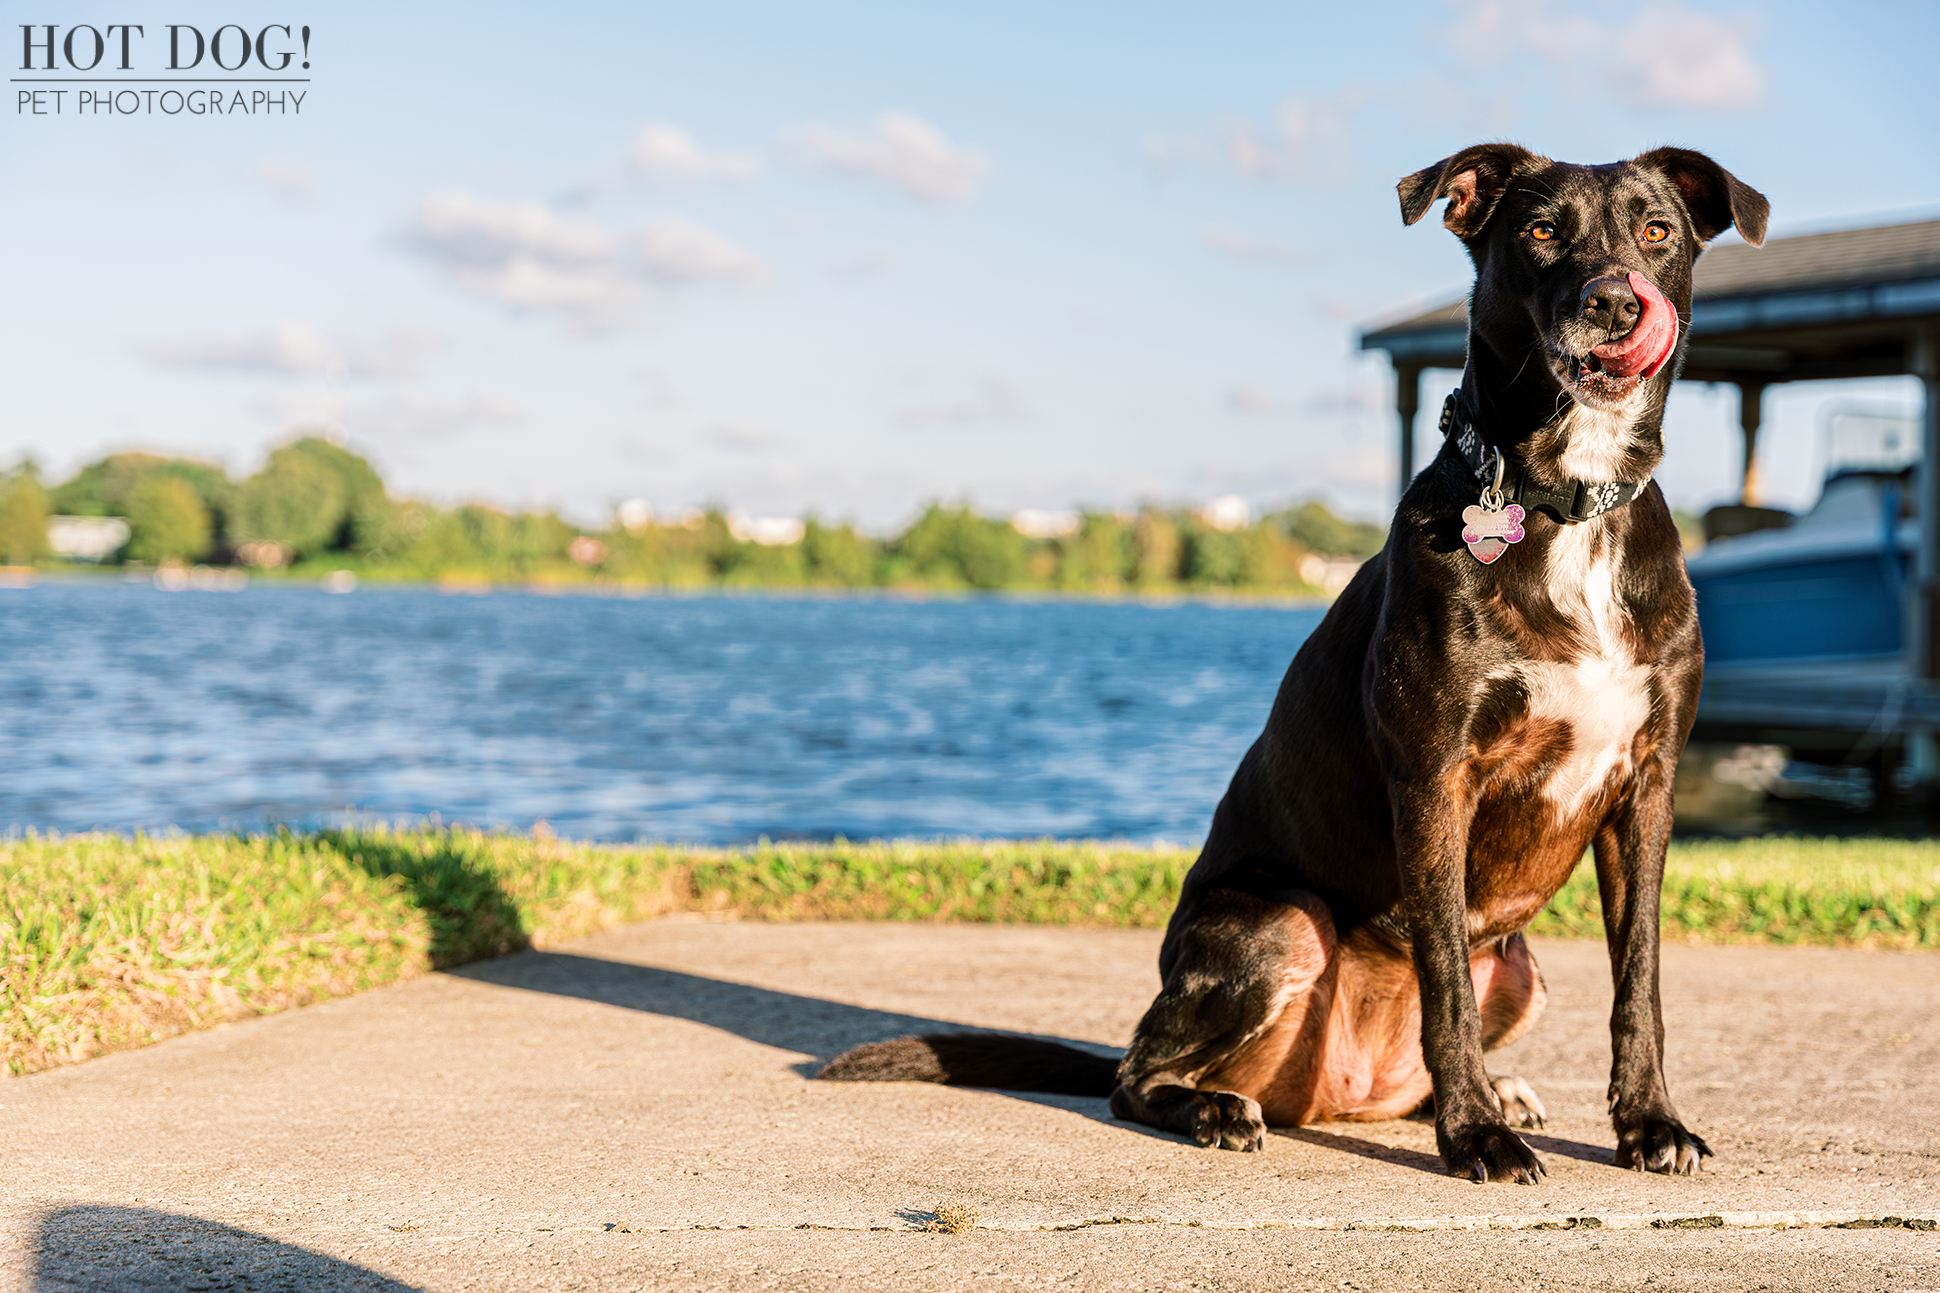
715, 719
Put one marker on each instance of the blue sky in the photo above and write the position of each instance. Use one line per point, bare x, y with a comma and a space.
851, 257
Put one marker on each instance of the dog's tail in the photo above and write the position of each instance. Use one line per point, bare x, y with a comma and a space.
996, 1060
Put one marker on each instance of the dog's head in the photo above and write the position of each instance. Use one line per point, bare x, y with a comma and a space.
1583, 273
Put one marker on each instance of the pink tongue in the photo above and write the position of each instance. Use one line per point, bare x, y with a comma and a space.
1650, 343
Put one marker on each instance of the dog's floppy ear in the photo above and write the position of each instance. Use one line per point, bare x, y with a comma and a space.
1717, 199
1471, 180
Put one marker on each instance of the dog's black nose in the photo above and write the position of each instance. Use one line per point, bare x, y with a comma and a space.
1608, 303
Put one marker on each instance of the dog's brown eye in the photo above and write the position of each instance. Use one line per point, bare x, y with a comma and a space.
1656, 231
1542, 231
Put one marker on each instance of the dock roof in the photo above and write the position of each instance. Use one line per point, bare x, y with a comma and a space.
1815, 306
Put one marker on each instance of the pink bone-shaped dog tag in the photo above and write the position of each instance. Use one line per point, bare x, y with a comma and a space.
1488, 532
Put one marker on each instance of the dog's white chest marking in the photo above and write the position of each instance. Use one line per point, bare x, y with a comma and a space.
1603, 693
1594, 442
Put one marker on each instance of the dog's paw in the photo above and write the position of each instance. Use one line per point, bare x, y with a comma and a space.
1229, 1121
1521, 1106
1489, 1152
1661, 1145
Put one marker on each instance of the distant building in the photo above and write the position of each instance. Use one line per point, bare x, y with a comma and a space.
1036, 523
86, 538
1330, 573
768, 531
1228, 512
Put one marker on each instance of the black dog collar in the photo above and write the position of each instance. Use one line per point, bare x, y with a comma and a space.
1572, 501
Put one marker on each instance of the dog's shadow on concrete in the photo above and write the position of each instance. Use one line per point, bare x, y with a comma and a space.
1360, 1148
149, 1250
822, 1028
785, 1020
1432, 1163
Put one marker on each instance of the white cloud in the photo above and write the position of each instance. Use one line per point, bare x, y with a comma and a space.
678, 252
463, 229
1665, 56
901, 150
996, 399
1488, 29
295, 349
1306, 140
1675, 58
524, 254
287, 178
669, 155
1244, 247
589, 296
529, 256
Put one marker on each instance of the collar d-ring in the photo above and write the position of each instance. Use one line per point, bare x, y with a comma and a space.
1492, 495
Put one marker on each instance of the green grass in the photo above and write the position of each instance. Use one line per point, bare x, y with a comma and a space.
1780, 889
1062, 882
108, 942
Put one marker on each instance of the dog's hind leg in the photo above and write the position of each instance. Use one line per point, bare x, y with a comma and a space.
1521, 1106
1237, 966
1509, 990
1352, 1050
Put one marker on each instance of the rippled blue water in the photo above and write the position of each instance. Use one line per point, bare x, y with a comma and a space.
696, 719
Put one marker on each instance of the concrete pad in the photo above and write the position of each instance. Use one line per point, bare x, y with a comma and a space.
632, 1112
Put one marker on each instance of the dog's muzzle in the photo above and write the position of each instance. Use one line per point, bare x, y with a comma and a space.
1613, 371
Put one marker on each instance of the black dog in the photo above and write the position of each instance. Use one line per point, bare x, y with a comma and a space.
1509, 682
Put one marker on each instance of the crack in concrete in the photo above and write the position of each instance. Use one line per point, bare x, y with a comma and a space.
1392, 1225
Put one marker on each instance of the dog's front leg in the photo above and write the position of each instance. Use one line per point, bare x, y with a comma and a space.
1431, 839
1630, 876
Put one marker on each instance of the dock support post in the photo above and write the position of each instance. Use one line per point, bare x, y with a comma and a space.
1407, 401
1751, 402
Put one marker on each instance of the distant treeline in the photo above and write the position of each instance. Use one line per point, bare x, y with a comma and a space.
315, 506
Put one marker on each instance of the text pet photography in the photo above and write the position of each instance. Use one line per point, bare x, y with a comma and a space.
74, 52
